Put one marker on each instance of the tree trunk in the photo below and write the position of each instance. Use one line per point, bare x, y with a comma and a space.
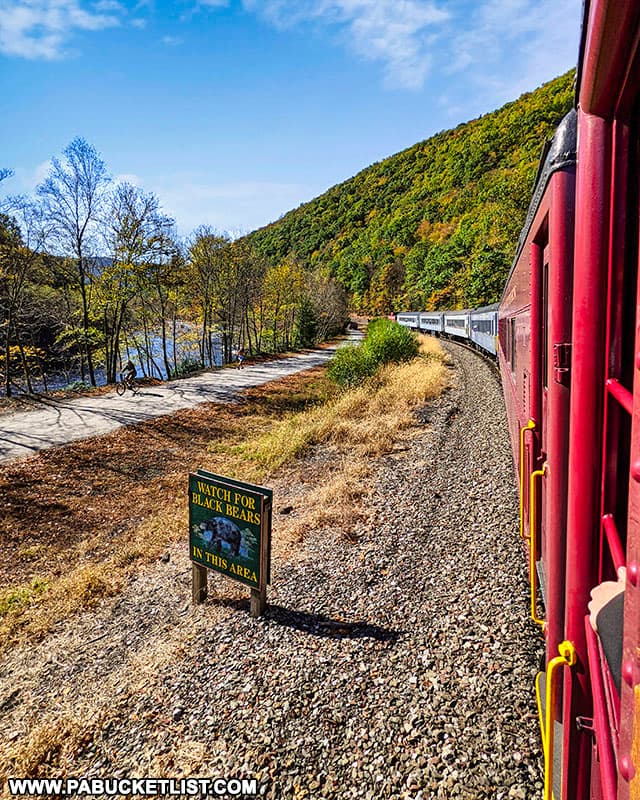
7, 358
85, 324
165, 352
174, 323
25, 364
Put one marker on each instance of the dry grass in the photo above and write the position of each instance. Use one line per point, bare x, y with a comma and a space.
335, 504
49, 745
367, 418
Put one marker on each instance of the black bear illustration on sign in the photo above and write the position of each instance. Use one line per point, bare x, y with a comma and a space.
222, 536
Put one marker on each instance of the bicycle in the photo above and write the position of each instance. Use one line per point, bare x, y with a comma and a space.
125, 383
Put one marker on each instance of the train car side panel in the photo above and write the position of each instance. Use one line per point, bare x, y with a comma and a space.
483, 328
456, 323
431, 321
409, 320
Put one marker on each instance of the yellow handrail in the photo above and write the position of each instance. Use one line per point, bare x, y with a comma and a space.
530, 426
567, 658
533, 575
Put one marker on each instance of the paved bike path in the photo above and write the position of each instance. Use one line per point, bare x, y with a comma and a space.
57, 422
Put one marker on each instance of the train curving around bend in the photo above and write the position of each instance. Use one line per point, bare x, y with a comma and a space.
567, 337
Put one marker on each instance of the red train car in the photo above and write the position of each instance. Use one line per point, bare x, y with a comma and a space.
569, 350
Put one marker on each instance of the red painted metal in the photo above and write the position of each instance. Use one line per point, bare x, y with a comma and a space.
616, 400
607, 766
613, 540
622, 395
598, 467
611, 27
586, 409
534, 375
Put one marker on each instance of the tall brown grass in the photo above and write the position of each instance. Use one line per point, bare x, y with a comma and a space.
367, 418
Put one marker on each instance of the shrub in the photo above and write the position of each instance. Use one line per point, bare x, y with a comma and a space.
77, 386
351, 365
389, 342
385, 342
188, 365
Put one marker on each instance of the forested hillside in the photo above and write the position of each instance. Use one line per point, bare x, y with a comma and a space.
434, 226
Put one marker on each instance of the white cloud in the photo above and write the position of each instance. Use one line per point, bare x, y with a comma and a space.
40, 29
543, 33
25, 180
414, 39
191, 200
109, 5
172, 41
128, 177
397, 33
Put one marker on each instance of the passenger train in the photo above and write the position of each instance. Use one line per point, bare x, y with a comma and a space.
566, 334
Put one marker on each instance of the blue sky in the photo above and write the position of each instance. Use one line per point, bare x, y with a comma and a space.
235, 111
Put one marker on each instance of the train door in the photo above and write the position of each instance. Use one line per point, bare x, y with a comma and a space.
544, 412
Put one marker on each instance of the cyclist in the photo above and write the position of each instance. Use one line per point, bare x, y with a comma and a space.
129, 374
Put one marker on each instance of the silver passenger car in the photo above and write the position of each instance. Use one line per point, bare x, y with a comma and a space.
456, 323
484, 328
410, 319
431, 321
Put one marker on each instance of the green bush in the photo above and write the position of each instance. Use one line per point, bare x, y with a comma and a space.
188, 365
389, 342
385, 342
350, 366
77, 386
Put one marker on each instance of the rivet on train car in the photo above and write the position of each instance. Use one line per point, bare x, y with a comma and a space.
627, 769
633, 573
635, 471
627, 673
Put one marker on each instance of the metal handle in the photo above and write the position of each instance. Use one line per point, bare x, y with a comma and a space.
533, 539
530, 426
567, 658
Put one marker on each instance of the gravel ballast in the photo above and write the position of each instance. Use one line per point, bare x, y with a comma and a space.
393, 662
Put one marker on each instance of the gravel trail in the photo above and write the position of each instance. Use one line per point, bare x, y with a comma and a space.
55, 422
396, 663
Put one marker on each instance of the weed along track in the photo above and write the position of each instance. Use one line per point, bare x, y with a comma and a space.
378, 669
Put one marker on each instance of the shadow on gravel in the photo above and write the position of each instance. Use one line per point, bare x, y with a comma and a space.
324, 626
316, 624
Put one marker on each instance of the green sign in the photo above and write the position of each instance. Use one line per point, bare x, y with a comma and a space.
230, 527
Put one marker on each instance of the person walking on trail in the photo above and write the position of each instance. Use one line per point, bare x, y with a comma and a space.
129, 373
241, 358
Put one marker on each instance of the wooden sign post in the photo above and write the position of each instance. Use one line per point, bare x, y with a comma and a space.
230, 533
